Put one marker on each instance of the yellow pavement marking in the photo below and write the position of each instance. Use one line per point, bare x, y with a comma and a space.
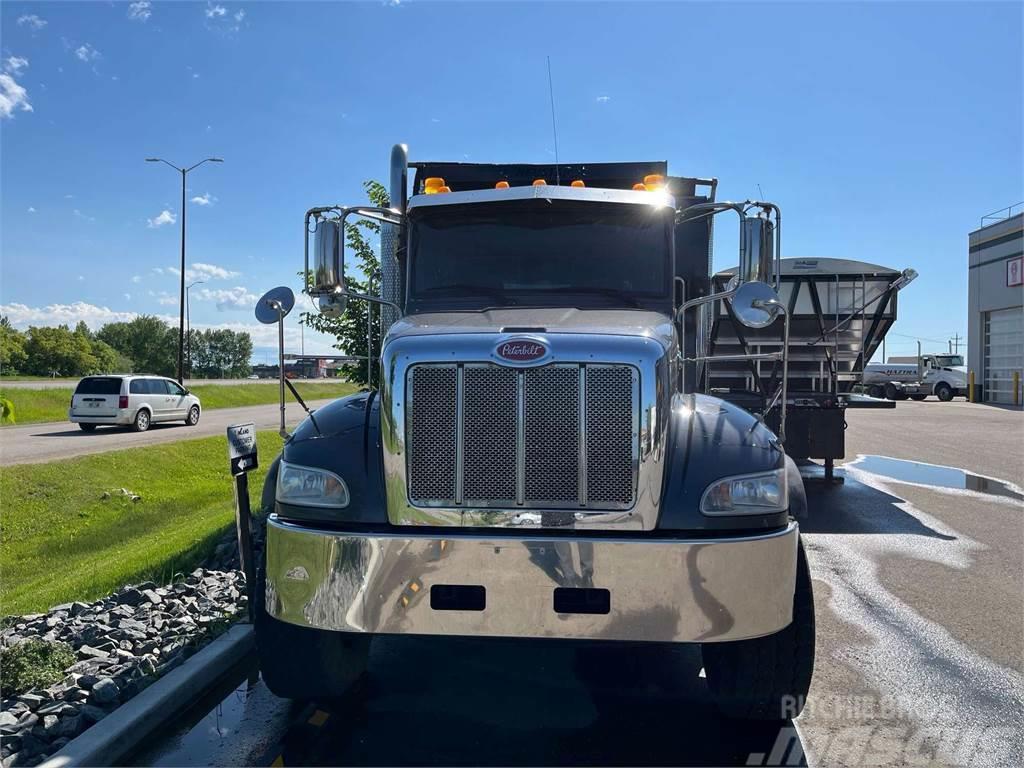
318, 718
278, 762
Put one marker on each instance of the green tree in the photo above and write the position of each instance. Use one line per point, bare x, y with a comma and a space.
220, 354
12, 348
58, 350
109, 360
147, 341
350, 328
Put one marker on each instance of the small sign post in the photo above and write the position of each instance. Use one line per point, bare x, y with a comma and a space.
242, 460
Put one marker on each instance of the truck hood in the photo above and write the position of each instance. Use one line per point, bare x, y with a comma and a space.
617, 322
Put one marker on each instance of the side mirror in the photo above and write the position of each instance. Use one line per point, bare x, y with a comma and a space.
329, 244
756, 304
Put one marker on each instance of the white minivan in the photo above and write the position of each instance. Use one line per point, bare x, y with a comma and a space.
129, 400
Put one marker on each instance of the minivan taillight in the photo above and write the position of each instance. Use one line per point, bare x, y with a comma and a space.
122, 401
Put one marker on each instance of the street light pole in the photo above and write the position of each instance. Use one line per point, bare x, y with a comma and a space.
181, 297
188, 326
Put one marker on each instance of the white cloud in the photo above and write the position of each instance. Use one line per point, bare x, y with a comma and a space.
167, 300
13, 97
128, 297
15, 64
228, 298
215, 11
239, 16
206, 199
140, 11
81, 278
94, 316
158, 270
79, 215
31, 21
200, 271
603, 99
31, 209
164, 217
86, 52
136, 278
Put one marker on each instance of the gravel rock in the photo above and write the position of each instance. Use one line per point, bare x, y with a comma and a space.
105, 691
123, 643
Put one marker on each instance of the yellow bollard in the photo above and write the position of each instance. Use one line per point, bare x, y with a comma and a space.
1016, 387
970, 387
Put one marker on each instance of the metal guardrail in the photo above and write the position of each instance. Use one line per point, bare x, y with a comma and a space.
1003, 213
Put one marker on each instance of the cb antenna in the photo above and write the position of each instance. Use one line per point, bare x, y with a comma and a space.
554, 125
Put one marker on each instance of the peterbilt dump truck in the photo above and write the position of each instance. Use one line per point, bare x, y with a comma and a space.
534, 459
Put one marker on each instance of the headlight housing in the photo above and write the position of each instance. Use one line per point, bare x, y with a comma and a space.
310, 487
755, 494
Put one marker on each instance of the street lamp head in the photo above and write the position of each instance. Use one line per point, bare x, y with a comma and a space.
152, 159
215, 159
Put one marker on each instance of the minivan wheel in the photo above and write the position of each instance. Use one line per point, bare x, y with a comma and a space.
141, 420
86, 427
193, 416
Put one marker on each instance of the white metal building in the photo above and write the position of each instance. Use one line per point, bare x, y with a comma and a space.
995, 320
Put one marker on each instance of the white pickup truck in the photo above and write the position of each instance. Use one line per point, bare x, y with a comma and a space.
944, 376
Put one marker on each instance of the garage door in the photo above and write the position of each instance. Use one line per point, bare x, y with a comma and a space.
1004, 353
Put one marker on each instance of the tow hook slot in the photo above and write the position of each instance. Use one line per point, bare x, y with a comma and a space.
458, 597
582, 600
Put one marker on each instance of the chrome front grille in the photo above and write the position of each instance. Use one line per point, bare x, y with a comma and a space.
559, 436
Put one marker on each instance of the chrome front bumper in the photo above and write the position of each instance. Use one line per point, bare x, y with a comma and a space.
666, 590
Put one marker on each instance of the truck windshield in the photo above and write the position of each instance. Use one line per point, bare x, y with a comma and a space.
540, 253
948, 361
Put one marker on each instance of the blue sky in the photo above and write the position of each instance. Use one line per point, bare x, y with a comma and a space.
885, 131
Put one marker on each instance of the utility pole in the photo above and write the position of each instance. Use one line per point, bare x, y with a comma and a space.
181, 298
956, 343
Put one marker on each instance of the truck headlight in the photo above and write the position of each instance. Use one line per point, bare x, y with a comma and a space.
756, 494
310, 487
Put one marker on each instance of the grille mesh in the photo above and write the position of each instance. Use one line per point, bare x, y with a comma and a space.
489, 434
432, 434
609, 434
552, 433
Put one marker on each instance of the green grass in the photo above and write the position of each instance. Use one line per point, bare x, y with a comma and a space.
32, 406
62, 541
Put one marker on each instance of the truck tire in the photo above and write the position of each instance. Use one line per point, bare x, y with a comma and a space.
944, 392
891, 393
767, 678
300, 663
876, 390
918, 398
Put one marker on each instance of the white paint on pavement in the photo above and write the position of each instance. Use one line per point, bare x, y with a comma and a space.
950, 685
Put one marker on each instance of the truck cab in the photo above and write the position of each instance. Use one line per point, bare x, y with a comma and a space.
535, 460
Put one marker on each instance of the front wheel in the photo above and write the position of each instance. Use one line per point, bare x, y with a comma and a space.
767, 678
918, 398
193, 416
86, 427
142, 420
302, 663
944, 392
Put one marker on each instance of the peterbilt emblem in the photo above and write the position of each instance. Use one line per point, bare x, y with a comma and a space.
521, 351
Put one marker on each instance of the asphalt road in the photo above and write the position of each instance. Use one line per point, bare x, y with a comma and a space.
920, 655
36, 443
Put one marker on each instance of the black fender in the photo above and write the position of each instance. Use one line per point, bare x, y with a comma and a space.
708, 439
342, 437
797, 492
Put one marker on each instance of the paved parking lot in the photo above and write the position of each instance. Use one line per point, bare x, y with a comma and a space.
920, 648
